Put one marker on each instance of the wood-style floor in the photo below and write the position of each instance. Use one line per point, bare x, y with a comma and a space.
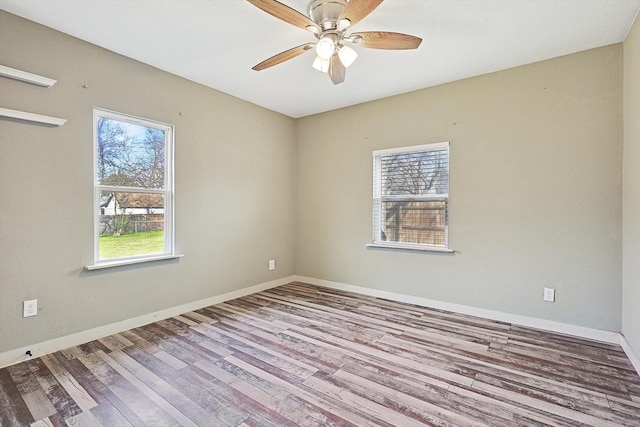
309, 356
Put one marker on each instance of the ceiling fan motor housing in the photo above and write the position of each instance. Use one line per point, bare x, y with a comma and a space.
325, 13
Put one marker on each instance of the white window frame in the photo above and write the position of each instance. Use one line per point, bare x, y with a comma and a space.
168, 192
378, 199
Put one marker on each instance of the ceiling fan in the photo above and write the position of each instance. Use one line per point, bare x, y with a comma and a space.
329, 21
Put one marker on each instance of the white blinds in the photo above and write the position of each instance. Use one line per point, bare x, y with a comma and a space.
411, 189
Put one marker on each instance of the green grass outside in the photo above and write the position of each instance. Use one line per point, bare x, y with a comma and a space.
125, 245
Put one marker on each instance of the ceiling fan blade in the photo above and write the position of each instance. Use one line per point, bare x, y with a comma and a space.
356, 10
283, 56
284, 12
386, 40
337, 70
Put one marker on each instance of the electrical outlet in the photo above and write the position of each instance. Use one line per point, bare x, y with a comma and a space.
30, 308
549, 294
272, 264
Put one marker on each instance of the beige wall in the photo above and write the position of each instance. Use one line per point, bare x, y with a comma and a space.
234, 189
535, 197
631, 193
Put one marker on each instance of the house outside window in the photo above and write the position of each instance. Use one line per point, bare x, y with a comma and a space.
410, 197
133, 188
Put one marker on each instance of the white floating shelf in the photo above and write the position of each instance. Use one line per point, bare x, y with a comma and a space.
31, 117
24, 76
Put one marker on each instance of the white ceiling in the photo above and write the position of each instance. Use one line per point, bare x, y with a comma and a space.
216, 42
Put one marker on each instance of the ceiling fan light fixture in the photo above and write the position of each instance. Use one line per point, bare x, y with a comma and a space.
325, 47
321, 64
329, 20
343, 24
347, 55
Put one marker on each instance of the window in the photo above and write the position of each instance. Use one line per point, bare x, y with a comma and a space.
133, 189
410, 197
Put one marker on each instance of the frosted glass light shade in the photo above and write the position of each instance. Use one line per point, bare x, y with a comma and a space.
347, 55
321, 64
325, 47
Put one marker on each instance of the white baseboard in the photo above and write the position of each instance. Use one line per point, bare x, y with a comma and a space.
19, 354
631, 354
531, 322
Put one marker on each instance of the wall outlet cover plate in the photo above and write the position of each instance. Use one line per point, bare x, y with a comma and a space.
30, 308
549, 294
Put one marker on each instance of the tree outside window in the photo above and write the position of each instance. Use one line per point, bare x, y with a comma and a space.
411, 187
133, 186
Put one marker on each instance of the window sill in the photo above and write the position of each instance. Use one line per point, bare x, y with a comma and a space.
121, 262
410, 247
